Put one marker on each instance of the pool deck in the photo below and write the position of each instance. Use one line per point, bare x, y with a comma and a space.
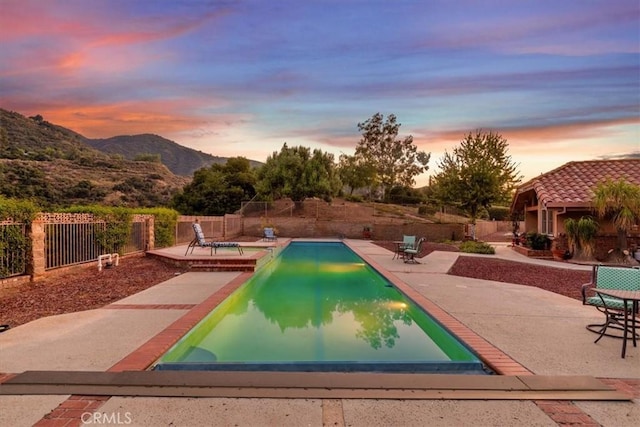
537, 339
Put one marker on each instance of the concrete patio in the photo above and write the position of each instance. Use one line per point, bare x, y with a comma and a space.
542, 331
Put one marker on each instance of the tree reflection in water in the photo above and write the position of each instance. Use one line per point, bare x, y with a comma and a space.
307, 293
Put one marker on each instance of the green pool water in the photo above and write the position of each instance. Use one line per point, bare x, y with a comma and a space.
319, 307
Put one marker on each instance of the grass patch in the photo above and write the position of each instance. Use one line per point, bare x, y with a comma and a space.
477, 248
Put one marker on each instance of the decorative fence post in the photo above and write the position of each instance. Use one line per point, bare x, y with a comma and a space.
151, 236
37, 262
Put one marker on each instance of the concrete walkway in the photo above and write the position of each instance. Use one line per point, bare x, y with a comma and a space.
541, 330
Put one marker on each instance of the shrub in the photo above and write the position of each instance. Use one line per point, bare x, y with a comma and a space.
427, 210
538, 241
164, 225
147, 157
477, 248
17, 210
14, 242
581, 236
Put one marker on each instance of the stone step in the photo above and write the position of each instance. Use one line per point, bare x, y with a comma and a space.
222, 267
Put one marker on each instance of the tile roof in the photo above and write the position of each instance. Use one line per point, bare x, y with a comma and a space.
572, 184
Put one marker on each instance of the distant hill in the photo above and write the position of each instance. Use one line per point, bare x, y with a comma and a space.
36, 139
55, 167
179, 159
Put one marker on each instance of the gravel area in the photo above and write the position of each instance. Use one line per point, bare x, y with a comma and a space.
559, 280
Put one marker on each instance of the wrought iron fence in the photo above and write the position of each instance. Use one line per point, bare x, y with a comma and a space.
75, 243
13, 249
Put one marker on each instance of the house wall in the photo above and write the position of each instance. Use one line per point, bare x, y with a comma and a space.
604, 226
530, 222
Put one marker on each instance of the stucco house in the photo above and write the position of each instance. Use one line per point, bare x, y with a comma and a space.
566, 192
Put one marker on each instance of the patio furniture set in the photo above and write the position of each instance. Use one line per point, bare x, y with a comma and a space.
408, 248
615, 291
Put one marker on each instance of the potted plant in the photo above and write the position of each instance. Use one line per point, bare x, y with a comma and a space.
559, 253
367, 232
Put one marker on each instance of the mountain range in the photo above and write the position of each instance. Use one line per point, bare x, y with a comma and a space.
179, 159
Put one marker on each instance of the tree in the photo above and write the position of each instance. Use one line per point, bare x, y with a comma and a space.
620, 202
355, 173
217, 190
298, 173
396, 161
477, 174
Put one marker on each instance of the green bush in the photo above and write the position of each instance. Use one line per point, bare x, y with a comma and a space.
356, 198
538, 241
477, 248
23, 211
165, 221
147, 157
14, 243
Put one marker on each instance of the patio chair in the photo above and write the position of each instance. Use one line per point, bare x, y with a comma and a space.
614, 278
410, 254
200, 241
269, 234
408, 242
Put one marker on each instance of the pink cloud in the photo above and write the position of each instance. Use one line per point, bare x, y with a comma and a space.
535, 134
87, 39
164, 117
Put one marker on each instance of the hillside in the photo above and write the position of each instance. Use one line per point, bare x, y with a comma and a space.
179, 159
36, 139
55, 167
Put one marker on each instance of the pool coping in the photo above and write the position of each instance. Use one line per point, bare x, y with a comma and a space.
310, 385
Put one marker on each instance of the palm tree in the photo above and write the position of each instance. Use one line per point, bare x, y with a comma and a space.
619, 201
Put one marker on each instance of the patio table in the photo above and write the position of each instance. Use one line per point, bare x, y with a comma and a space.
399, 249
630, 321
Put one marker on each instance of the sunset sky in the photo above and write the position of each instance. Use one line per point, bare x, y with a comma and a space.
560, 80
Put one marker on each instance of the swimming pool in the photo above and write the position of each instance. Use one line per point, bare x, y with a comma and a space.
319, 307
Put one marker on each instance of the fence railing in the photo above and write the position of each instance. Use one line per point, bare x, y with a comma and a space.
55, 240
214, 227
13, 249
70, 243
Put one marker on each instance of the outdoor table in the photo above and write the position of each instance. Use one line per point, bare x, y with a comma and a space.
399, 249
630, 321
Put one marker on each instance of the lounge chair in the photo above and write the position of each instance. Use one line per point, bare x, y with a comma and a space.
410, 254
269, 234
200, 241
